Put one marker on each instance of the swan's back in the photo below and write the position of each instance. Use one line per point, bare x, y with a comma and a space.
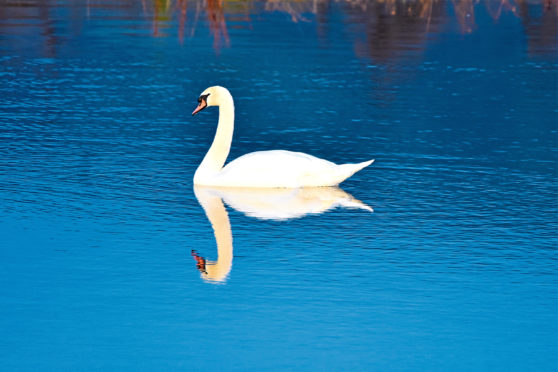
280, 168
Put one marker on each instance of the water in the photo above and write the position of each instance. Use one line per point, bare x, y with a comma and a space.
454, 270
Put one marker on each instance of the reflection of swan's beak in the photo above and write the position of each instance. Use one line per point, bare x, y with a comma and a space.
200, 262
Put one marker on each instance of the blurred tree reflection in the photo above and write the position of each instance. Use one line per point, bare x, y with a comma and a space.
381, 29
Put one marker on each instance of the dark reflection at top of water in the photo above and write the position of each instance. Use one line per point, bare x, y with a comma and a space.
379, 29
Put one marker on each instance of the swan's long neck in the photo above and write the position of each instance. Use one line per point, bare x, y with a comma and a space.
217, 155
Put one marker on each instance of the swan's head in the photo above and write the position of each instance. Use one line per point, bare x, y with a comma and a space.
212, 96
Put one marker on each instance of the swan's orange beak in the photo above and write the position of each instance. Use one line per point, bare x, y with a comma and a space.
200, 107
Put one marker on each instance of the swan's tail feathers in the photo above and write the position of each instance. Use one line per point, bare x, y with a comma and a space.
353, 203
347, 170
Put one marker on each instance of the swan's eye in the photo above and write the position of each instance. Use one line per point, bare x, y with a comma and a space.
203, 98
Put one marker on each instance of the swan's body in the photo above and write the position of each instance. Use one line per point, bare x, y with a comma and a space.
276, 168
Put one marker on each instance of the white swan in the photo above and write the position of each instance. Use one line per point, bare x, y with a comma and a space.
277, 168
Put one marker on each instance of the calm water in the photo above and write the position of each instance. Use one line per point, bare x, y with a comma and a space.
455, 270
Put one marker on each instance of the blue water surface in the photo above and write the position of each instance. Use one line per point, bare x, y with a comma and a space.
106, 249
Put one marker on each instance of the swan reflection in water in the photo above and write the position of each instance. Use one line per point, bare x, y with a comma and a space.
265, 204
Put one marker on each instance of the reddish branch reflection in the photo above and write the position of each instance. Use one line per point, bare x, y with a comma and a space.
465, 13
217, 25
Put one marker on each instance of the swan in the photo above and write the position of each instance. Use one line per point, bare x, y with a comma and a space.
275, 168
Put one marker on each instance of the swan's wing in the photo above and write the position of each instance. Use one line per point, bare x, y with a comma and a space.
278, 168
278, 158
